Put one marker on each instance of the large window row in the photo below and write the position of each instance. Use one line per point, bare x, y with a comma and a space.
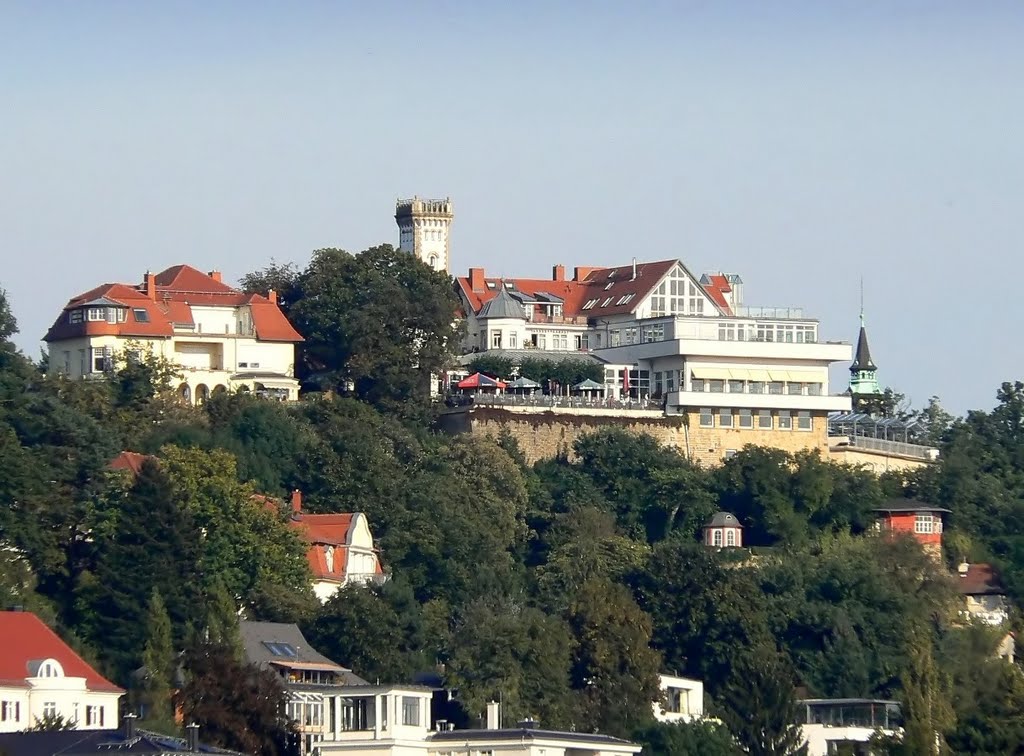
747, 419
722, 386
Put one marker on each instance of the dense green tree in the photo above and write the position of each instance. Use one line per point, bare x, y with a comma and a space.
362, 629
653, 489
461, 532
759, 706
585, 545
503, 651
244, 543
152, 548
378, 324
8, 323
705, 613
237, 706
493, 365
698, 738
614, 669
281, 278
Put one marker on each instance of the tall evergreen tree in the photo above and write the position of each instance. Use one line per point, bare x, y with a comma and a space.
153, 547
760, 706
158, 660
925, 700
614, 670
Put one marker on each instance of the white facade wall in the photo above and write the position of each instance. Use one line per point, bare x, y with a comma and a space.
818, 737
67, 697
205, 360
683, 699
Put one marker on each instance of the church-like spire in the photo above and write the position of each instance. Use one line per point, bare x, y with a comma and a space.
863, 371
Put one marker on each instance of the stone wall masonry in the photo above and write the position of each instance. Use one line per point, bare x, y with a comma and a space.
546, 433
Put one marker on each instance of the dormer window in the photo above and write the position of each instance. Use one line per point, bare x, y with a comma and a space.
97, 313
141, 315
329, 558
75, 316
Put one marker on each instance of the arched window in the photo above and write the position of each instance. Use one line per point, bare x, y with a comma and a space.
329, 558
717, 537
730, 537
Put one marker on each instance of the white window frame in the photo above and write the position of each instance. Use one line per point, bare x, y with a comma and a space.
924, 524
706, 412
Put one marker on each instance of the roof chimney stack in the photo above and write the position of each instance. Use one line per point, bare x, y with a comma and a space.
272, 296
192, 738
493, 715
129, 726
151, 285
529, 724
296, 504
558, 273
216, 276
476, 279
634, 270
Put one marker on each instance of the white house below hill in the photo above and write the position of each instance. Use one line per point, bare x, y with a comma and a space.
42, 679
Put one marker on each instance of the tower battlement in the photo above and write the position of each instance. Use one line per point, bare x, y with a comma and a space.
423, 226
409, 208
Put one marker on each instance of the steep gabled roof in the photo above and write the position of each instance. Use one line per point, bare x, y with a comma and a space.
623, 288
26, 639
862, 358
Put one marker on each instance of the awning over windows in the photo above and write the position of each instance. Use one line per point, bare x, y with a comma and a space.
714, 373
804, 376
730, 374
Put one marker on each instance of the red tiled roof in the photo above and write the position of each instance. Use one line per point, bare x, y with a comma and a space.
174, 291
26, 638
594, 285
330, 529
130, 461
717, 289
980, 579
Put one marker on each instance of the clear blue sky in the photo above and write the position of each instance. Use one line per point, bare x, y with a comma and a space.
802, 145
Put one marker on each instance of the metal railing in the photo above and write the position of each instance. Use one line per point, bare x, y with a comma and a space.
542, 401
894, 447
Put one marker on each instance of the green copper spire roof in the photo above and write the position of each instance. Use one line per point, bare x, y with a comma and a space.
863, 371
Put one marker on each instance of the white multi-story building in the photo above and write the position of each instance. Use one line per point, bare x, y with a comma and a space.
687, 344
42, 679
217, 337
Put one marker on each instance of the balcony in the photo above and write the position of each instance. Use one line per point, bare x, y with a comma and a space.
543, 317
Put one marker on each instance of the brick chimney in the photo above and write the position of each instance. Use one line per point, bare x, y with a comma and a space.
558, 273
272, 296
151, 285
296, 504
216, 276
580, 273
476, 279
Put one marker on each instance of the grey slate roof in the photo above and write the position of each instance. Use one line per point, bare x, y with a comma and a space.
256, 634
723, 519
862, 358
502, 305
87, 742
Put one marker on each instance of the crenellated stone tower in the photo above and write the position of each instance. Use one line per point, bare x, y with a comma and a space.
423, 226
